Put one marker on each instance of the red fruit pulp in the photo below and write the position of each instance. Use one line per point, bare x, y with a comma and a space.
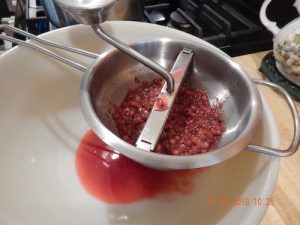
194, 126
114, 178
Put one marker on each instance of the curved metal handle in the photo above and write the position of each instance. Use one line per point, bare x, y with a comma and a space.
137, 56
44, 50
271, 26
296, 139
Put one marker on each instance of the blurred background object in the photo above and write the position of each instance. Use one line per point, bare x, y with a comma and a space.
57, 16
231, 25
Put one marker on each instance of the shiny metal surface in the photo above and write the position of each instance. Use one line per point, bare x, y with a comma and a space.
44, 50
57, 16
296, 138
137, 56
107, 81
156, 67
97, 11
47, 42
94, 12
157, 118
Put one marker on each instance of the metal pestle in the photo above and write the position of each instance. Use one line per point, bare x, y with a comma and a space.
94, 12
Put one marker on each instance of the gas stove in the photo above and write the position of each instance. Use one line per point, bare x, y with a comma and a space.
232, 26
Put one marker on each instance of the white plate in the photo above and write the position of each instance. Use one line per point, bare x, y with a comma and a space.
41, 126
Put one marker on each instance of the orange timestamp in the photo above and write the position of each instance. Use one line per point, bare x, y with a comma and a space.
240, 201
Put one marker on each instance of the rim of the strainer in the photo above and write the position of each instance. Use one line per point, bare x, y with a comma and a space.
162, 161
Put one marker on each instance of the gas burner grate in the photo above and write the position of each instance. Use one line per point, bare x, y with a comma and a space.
231, 27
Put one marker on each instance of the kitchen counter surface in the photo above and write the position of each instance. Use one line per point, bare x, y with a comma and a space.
286, 208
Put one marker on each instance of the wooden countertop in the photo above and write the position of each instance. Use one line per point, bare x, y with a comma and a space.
286, 209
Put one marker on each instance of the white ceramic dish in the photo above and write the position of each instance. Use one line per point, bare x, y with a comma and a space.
280, 36
41, 126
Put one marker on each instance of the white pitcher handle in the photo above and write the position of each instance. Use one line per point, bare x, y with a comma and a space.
271, 26
297, 5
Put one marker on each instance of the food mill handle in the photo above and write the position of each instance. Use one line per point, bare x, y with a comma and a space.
271, 26
44, 50
296, 139
137, 56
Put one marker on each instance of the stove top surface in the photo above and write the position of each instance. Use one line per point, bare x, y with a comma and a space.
233, 26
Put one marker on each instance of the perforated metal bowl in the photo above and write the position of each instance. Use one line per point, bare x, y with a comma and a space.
113, 73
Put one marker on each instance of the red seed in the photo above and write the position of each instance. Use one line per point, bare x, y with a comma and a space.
173, 141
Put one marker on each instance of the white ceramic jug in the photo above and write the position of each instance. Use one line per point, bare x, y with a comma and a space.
286, 44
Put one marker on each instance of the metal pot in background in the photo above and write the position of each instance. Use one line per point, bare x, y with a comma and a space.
121, 10
57, 16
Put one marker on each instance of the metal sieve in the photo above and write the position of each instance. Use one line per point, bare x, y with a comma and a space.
107, 80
